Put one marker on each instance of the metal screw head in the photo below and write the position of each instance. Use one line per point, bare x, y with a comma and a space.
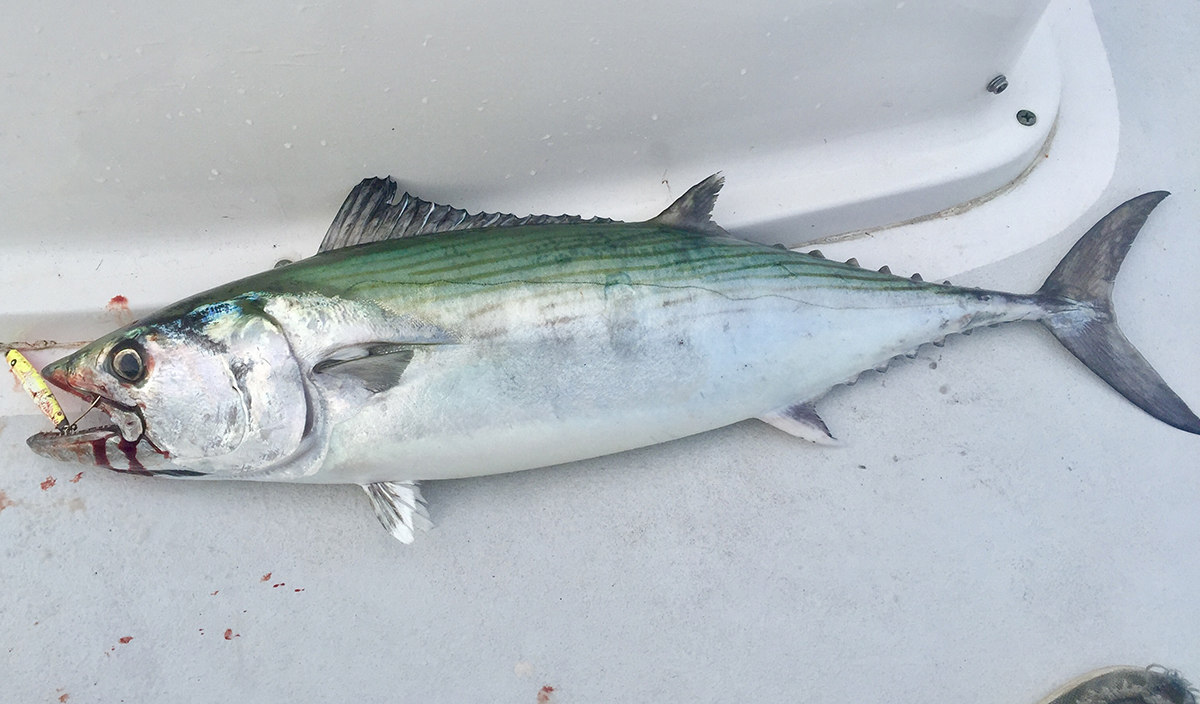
1026, 117
998, 84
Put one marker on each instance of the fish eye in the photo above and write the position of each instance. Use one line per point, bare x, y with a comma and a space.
127, 363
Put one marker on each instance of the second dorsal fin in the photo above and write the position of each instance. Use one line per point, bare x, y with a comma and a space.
693, 210
370, 215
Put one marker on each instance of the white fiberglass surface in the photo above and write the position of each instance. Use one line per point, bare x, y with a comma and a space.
996, 522
150, 151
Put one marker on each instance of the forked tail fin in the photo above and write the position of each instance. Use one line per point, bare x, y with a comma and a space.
1081, 288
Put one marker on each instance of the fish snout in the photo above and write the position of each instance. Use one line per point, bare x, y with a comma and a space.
59, 374
69, 375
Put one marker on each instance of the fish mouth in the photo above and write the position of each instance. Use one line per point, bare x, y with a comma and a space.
101, 446
127, 419
120, 445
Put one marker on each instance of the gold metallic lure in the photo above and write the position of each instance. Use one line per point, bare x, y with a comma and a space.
37, 388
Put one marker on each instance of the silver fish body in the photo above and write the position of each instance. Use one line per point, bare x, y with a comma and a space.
471, 350
553, 366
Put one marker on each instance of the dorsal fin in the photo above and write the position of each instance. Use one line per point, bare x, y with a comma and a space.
693, 210
370, 215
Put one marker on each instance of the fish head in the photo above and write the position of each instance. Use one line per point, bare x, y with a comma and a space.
214, 390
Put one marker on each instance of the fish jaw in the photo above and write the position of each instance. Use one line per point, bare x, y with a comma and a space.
102, 446
120, 446
77, 379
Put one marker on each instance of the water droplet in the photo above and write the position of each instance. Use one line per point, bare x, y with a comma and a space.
253, 200
287, 145
214, 172
424, 100
743, 72
654, 116
322, 142
533, 172
249, 122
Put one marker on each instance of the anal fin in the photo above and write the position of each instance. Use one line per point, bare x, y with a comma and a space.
399, 507
800, 420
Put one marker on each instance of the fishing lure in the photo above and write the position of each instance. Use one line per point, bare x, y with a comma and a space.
38, 389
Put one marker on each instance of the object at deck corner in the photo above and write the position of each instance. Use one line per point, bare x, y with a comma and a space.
1125, 685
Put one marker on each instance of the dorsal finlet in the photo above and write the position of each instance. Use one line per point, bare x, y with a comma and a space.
693, 210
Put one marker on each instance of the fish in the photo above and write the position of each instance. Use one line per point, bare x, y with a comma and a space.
423, 342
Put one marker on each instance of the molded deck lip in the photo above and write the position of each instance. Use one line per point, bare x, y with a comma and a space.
871, 180
1068, 175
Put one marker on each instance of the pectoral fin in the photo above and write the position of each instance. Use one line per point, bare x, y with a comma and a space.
376, 367
399, 507
800, 420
